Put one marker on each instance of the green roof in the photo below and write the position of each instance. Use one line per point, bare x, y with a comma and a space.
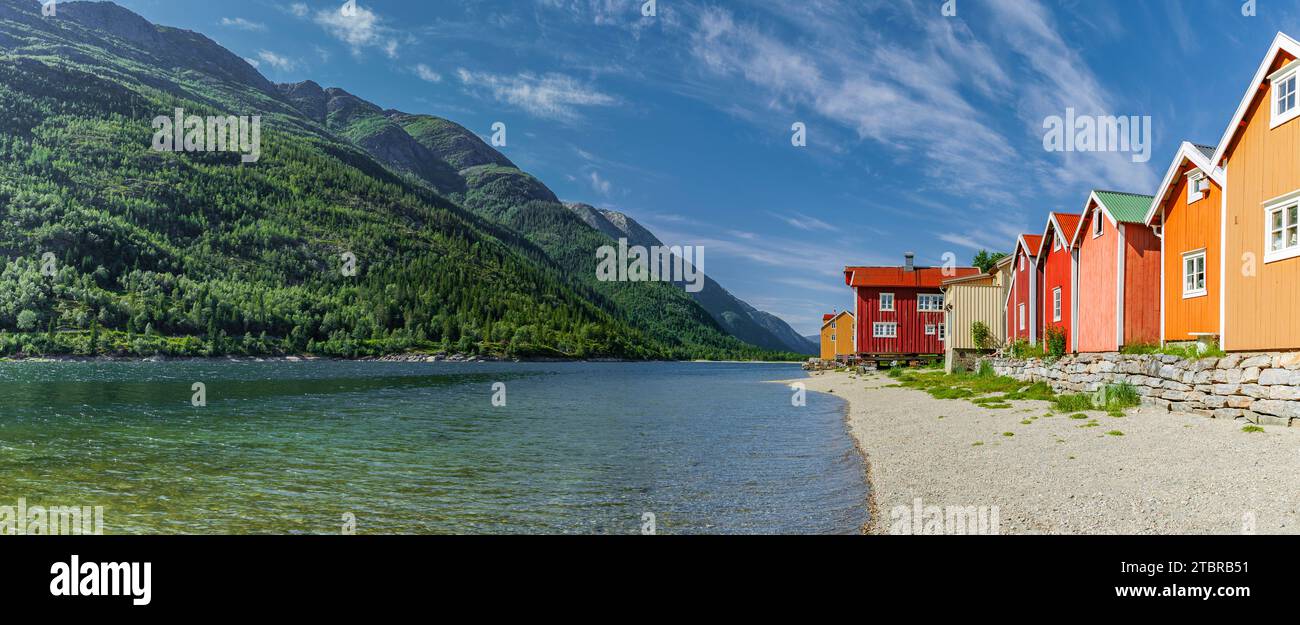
1126, 207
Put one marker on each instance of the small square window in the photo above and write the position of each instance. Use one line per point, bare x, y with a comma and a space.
1197, 185
886, 302
929, 329
1098, 224
1283, 232
1284, 107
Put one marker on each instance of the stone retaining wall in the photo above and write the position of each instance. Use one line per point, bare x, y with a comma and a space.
1260, 388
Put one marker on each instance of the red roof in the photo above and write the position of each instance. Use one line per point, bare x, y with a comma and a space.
1069, 223
1034, 241
827, 317
921, 277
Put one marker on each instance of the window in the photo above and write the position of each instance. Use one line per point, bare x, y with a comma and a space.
832, 338
832, 325
943, 332
929, 329
1056, 244
1197, 185
1194, 274
1056, 304
1022, 263
1098, 224
884, 330
1283, 230
886, 301
927, 302
1284, 95
1022, 316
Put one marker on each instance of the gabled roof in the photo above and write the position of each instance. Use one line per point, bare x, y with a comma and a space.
1063, 222
827, 319
1281, 43
920, 277
1119, 207
1199, 156
1031, 243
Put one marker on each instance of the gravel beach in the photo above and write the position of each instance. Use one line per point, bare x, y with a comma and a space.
1166, 473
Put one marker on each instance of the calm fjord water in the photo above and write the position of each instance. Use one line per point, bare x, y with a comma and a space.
419, 448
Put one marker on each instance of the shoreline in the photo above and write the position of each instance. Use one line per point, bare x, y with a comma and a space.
1149, 472
406, 358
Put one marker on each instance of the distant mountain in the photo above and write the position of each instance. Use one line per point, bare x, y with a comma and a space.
735, 315
194, 253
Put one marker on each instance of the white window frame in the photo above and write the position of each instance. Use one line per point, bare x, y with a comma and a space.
1099, 224
884, 330
1197, 186
1205, 276
935, 298
882, 302
929, 329
832, 337
1022, 263
943, 332
1056, 244
1022, 317
1056, 304
1283, 204
1279, 79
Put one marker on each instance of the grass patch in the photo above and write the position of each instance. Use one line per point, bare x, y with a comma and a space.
1113, 398
1026, 422
977, 443
1079, 416
1115, 433
1072, 403
982, 388
1090, 424
1252, 428
1008, 433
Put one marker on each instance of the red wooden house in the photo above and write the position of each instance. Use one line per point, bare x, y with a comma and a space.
1117, 260
1056, 276
1022, 299
899, 310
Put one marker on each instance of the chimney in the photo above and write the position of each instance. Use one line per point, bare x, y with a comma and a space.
909, 261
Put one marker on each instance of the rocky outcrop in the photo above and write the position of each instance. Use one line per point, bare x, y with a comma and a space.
1261, 388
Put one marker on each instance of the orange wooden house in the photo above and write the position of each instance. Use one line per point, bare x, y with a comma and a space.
1260, 208
1117, 274
1022, 298
1056, 276
1187, 209
837, 336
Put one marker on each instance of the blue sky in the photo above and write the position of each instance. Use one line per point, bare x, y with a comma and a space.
925, 132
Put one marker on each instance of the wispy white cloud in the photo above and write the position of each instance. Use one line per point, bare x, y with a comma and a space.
803, 222
242, 24
299, 9
553, 96
599, 184
359, 30
277, 61
426, 73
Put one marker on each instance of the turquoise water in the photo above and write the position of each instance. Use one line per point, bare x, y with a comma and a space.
420, 448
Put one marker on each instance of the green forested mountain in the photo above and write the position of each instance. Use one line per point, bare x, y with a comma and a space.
113, 247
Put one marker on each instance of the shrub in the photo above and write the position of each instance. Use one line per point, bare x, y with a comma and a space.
981, 336
1055, 341
1022, 349
986, 369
